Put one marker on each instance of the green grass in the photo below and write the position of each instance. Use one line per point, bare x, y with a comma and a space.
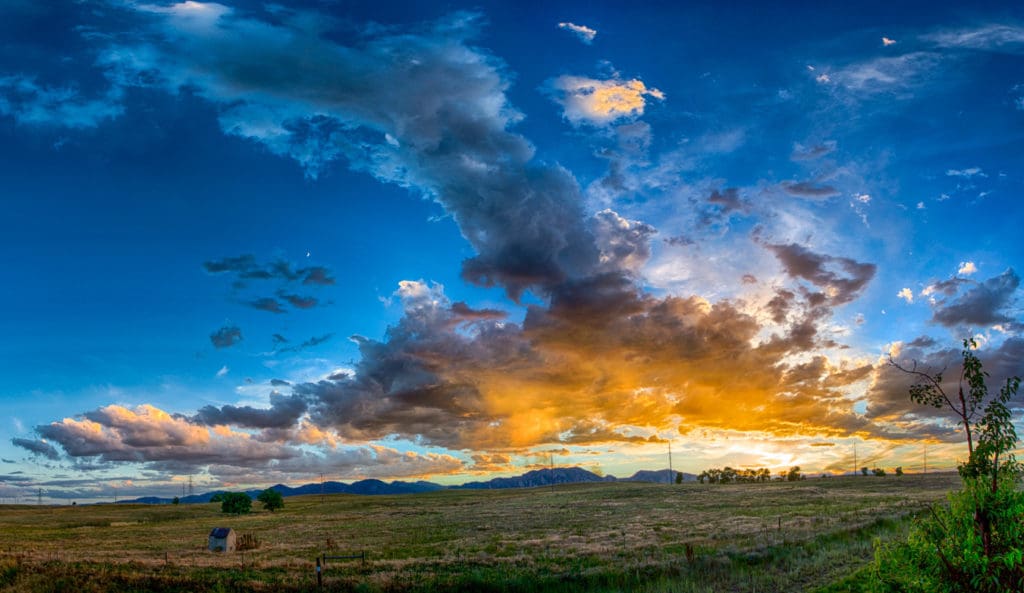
588, 537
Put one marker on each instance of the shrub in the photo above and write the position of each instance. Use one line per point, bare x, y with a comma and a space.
271, 499
976, 544
236, 503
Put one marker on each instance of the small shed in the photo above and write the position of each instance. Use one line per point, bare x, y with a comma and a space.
222, 539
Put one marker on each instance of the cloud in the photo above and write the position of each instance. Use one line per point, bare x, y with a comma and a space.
809, 190
36, 447
966, 173
623, 244
443, 132
966, 268
226, 337
906, 294
815, 151
268, 304
890, 74
300, 302
310, 343
840, 278
284, 411
491, 462
981, 305
887, 42
33, 104
166, 443
601, 102
1000, 38
888, 398
582, 32
223, 371
247, 267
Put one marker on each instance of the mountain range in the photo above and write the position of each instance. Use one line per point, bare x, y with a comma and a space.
531, 479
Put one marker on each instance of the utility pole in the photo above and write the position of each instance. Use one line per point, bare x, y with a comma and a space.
855, 459
671, 474
551, 465
321, 487
40, 497
926, 459
191, 491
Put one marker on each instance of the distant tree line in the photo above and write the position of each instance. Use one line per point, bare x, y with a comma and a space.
728, 475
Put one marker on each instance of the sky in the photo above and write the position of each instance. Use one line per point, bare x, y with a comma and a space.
255, 243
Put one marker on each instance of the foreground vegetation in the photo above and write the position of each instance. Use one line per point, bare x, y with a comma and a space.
780, 536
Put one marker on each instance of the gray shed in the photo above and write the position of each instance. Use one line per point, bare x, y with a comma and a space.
222, 539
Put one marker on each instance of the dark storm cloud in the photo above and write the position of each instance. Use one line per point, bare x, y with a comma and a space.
810, 190
279, 382
284, 411
841, 278
36, 447
982, 305
226, 336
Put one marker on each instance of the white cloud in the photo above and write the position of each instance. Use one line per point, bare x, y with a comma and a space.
823, 78
584, 33
887, 42
920, 205
994, 37
601, 102
966, 268
863, 198
886, 74
906, 294
223, 371
966, 173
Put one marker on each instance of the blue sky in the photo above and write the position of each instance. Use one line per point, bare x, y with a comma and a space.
252, 243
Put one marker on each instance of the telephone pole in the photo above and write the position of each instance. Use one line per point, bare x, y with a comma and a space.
926, 459
855, 459
671, 474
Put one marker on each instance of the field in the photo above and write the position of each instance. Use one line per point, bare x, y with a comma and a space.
799, 536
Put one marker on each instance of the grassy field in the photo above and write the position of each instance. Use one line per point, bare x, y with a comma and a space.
798, 536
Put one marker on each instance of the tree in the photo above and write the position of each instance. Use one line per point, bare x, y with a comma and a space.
877, 471
272, 499
864, 471
175, 500
679, 477
975, 544
236, 503
218, 497
793, 474
899, 470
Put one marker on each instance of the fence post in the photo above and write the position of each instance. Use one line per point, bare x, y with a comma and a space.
319, 575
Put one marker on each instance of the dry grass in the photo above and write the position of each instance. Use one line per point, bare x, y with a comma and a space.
449, 539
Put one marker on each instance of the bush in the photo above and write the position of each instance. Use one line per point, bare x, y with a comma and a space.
976, 544
271, 499
236, 503
947, 553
